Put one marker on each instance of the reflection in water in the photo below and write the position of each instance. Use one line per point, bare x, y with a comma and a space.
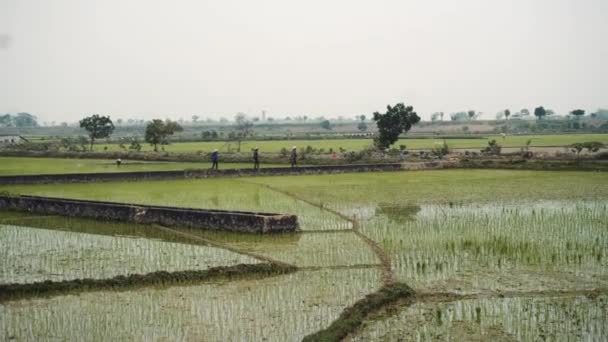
397, 213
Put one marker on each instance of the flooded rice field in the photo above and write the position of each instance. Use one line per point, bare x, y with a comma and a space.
32, 255
576, 318
491, 255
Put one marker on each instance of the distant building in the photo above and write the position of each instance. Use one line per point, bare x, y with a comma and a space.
11, 139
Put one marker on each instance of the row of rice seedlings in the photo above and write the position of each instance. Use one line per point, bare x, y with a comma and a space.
31, 254
283, 308
309, 249
521, 319
324, 249
441, 245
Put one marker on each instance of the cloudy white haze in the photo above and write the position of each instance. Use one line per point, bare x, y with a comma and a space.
60, 59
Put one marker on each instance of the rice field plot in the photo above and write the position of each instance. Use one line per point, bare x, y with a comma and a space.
340, 249
224, 194
464, 231
577, 318
347, 193
283, 308
30, 166
275, 146
31, 255
491, 254
471, 248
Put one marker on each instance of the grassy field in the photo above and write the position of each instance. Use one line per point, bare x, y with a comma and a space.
358, 144
27, 166
523, 247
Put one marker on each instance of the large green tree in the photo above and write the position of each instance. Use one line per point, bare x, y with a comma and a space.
326, 124
540, 112
98, 127
578, 113
398, 119
157, 132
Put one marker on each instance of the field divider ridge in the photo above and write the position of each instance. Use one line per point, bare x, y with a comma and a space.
212, 243
17, 291
224, 220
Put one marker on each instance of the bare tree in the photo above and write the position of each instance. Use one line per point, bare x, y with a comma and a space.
244, 128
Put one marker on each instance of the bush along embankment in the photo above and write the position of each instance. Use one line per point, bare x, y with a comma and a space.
133, 281
352, 317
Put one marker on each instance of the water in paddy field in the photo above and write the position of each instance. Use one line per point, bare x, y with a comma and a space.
283, 308
32, 254
492, 269
493, 246
576, 318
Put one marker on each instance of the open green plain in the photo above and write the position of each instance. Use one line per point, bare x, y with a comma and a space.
554, 140
500, 255
31, 166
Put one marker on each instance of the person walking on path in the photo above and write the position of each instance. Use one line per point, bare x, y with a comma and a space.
214, 159
294, 157
256, 159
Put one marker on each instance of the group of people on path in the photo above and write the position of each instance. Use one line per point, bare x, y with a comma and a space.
215, 158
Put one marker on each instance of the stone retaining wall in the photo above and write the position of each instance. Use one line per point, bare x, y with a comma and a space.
236, 221
154, 175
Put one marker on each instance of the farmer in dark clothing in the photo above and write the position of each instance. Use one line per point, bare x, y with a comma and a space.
214, 159
256, 159
294, 157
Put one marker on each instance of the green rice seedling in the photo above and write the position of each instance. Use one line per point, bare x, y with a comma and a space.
314, 249
31, 255
498, 247
497, 319
282, 308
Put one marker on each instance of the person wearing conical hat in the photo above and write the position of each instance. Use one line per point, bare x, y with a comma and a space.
215, 157
256, 159
294, 157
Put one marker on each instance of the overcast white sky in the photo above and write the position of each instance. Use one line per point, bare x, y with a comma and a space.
61, 59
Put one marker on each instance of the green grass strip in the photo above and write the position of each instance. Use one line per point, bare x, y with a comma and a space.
162, 278
353, 316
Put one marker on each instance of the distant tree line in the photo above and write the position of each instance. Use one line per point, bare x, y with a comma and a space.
18, 120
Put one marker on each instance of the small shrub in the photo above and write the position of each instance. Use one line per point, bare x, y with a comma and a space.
284, 152
441, 151
492, 148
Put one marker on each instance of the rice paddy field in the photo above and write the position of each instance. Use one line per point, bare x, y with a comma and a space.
555, 140
491, 255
